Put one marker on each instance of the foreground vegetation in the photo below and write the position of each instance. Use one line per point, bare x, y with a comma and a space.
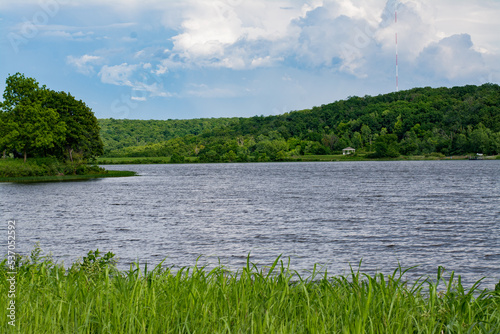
92, 296
420, 121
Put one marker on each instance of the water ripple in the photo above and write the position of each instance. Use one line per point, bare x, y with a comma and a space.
337, 214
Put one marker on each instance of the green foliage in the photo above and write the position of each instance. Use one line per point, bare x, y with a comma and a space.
176, 158
386, 146
120, 133
92, 296
11, 168
40, 122
94, 264
450, 121
82, 136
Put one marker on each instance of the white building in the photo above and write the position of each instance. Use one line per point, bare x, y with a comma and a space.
348, 150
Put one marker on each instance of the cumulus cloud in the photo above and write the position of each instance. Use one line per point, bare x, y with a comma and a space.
84, 64
142, 80
452, 58
119, 75
229, 34
154, 89
332, 39
356, 37
346, 38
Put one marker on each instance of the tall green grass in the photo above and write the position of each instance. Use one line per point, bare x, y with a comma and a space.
92, 296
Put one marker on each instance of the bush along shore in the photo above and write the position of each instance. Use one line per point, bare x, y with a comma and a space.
50, 169
92, 296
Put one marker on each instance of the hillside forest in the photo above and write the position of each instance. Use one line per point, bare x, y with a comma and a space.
442, 121
38, 122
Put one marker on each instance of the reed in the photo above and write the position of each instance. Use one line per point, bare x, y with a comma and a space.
92, 296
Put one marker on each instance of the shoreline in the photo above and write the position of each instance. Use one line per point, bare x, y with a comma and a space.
307, 158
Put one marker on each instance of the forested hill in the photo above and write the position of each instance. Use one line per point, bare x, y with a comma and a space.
456, 120
120, 133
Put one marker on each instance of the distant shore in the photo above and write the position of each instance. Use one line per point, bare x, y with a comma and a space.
304, 158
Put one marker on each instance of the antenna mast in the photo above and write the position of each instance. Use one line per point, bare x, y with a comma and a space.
395, 22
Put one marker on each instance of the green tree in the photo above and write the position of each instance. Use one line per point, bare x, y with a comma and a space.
82, 135
479, 139
176, 158
8, 132
386, 146
409, 144
357, 140
230, 156
330, 141
366, 133
27, 125
35, 128
20, 89
460, 144
43, 122
398, 127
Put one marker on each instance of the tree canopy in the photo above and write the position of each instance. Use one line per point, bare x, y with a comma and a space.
40, 122
449, 121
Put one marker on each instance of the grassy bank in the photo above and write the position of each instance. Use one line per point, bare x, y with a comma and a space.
29, 179
47, 170
93, 297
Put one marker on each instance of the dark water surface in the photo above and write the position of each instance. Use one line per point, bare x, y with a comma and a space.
426, 213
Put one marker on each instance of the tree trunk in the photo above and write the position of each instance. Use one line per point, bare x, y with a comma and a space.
4, 156
70, 151
25, 155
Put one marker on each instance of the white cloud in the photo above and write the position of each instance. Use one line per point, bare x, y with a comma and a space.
161, 69
154, 89
204, 91
74, 36
477, 18
230, 47
84, 64
118, 75
138, 98
452, 58
236, 35
139, 77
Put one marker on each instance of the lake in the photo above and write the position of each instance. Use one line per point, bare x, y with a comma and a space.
425, 213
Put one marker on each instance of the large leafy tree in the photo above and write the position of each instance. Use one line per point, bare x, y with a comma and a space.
82, 134
27, 126
20, 89
36, 128
39, 121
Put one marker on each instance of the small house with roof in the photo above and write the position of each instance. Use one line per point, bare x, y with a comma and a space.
348, 150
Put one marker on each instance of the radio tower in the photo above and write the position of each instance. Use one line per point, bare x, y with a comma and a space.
395, 24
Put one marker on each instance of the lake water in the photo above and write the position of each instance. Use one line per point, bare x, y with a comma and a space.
425, 213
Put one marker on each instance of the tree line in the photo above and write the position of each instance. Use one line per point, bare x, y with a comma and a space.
38, 122
447, 121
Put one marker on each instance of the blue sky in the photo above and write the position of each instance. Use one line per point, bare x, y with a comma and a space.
153, 59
